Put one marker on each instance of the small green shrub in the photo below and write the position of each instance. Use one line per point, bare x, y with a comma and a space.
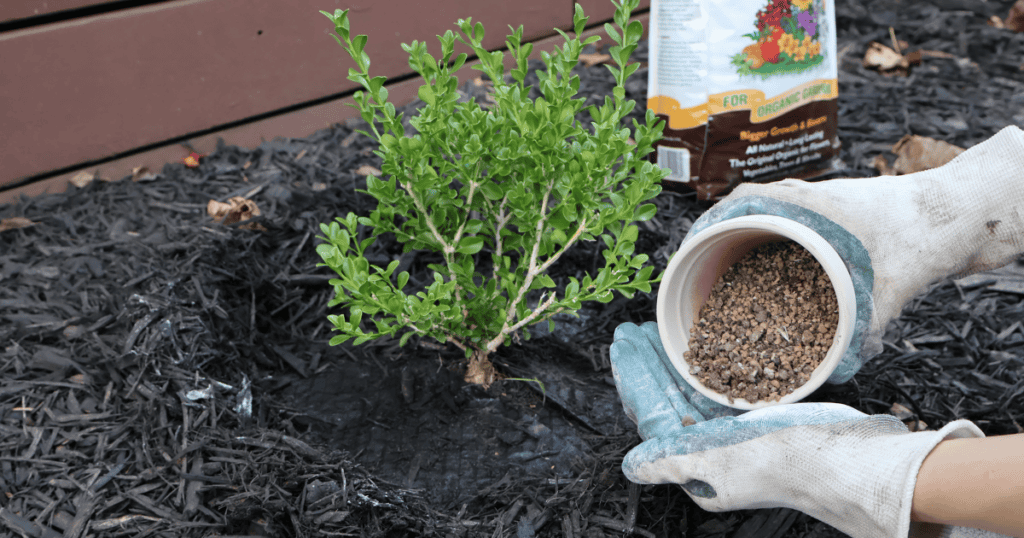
500, 192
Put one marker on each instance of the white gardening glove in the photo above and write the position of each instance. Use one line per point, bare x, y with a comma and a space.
853, 471
898, 235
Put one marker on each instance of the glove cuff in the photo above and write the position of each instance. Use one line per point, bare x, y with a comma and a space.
870, 492
958, 429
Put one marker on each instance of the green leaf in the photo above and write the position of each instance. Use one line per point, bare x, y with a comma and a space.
544, 281
645, 212
612, 33
491, 191
470, 245
634, 31
359, 43
327, 251
340, 339
579, 21
426, 93
473, 227
558, 219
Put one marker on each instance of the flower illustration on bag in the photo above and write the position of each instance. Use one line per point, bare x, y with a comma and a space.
787, 39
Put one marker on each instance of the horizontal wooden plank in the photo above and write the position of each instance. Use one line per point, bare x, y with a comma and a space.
93, 88
23, 9
296, 124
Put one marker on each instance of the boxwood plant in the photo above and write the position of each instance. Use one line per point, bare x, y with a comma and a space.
500, 192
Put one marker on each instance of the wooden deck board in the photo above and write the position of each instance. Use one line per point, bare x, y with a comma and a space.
298, 123
91, 88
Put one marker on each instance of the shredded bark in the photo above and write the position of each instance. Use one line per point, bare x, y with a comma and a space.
164, 374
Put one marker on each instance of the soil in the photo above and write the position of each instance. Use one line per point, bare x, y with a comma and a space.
767, 325
163, 374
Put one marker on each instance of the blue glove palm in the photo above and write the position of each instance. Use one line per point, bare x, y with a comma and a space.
654, 395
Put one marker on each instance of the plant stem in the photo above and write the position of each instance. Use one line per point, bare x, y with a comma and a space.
572, 241
447, 248
469, 203
533, 315
534, 254
501, 219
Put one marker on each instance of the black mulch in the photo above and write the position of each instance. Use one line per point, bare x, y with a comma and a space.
166, 375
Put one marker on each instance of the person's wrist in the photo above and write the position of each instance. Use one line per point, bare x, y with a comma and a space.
927, 505
973, 482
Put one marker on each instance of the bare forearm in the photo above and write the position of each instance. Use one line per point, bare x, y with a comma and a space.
973, 483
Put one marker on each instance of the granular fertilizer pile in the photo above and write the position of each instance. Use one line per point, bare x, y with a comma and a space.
768, 323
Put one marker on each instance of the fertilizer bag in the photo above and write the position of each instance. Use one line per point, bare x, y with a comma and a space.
747, 88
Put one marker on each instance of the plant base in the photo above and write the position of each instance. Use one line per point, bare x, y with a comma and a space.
480, 371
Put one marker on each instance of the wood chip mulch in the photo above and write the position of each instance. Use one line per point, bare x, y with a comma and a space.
145, 347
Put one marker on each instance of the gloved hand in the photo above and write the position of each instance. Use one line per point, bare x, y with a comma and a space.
853, 471
898, 235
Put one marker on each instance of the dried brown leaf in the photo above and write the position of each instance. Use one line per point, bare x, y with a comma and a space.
916, 153
13, 223
141, 173
938, 54
590, 60
881, 57
347, 141
888, 61
367, 170
237, 209
255, 226
916, 425
881, 164
217, 210
82, 179
900, 411
1015, 20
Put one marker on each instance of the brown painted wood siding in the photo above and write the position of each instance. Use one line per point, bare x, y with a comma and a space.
23, 9
88, 89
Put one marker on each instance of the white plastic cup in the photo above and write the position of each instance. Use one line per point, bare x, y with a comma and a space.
705, 257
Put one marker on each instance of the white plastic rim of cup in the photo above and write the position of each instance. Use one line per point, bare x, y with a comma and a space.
703, 258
